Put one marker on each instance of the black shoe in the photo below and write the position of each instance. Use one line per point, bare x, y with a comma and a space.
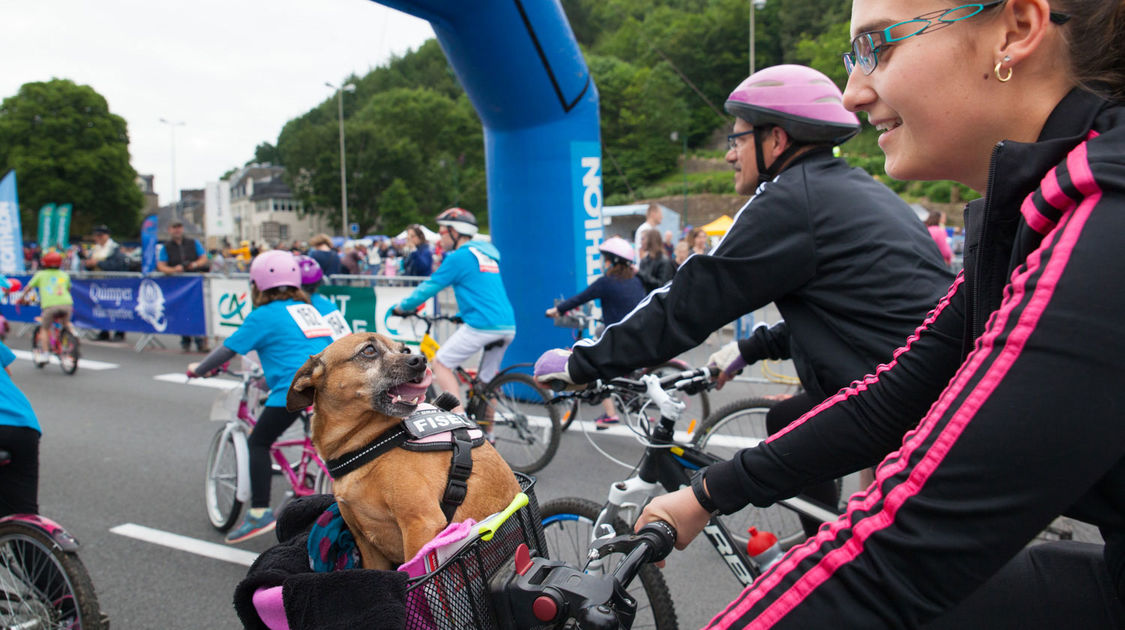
119, 336
103, 335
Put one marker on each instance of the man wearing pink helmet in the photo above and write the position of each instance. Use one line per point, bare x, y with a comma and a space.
850, 267
285, 330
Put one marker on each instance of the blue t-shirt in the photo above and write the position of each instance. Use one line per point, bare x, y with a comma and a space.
15, 409
473, 269
282, 346
322, 304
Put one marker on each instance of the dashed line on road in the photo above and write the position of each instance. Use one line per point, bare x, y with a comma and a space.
184, 543
180, 379
85, 364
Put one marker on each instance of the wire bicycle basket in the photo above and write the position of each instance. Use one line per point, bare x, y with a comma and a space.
456, 594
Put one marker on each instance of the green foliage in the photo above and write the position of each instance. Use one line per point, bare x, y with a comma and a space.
398, 208
824, 52
265, 153
66, 147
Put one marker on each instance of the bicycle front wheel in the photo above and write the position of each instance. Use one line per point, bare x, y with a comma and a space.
68, 352
568, 527
736, 426
42, 586
221, 483
525, 425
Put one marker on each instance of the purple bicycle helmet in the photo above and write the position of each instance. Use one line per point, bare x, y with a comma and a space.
802, 101
275, 268
617, 250
311, 273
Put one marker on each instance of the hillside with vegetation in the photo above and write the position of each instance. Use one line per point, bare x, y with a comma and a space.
663, 70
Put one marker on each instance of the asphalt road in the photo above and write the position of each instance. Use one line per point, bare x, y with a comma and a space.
123, 448
124, 451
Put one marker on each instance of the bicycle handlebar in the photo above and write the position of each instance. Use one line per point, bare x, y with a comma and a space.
543, 593
429, 319
689, 381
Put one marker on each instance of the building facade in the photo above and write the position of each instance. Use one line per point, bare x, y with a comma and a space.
264, 208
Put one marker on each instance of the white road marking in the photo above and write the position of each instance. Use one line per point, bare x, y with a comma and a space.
183, 543
85, 364
180, 379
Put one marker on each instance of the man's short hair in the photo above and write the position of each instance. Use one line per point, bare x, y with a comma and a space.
176, 224
320, 239
101, 229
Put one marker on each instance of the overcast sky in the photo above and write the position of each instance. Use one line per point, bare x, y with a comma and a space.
233, 71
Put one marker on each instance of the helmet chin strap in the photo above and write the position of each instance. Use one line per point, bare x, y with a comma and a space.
767, 174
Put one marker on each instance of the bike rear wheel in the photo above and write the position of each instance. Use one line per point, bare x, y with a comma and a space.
221, 483
68, 352
568, 528
736, 426
41, 585
525, 425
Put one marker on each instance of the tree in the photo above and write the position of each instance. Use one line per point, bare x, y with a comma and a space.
397, 208
66, 147
265, 153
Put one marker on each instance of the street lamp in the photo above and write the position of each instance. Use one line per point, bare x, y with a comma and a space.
343, 164
172, 126
675, 135
754, 4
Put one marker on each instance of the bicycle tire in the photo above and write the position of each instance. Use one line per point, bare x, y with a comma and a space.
567, 527
35, 347
698, 405
733, 427
568, 411
43, 586
322, 481
68, 352
221, 482
525, 425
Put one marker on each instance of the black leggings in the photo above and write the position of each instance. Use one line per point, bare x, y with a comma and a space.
19, 479
777, 419
1053, 585
271, 424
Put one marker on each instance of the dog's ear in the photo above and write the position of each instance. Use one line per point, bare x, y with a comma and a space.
302, 391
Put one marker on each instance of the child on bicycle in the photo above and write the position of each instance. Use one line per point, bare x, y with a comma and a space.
472, 268
619, 289
54, 299
284, 328
19, 435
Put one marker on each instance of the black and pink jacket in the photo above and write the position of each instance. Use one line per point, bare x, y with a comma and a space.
1005, 409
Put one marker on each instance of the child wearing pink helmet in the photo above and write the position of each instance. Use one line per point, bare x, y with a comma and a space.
284, 329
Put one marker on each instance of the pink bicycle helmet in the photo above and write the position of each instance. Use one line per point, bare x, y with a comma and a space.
275, 268
802, 101
617, 250
311, 273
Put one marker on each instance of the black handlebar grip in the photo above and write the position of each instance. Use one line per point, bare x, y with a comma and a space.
661, 537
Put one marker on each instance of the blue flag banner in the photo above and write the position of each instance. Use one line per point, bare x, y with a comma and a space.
8, 307
148, 244
11, 237
62, 226
168, 305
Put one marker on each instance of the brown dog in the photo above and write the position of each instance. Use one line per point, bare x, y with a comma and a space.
361, 386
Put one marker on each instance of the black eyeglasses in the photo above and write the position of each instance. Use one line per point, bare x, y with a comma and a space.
731, 144
866, 46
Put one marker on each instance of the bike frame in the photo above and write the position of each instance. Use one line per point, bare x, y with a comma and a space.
239, 430
669, 464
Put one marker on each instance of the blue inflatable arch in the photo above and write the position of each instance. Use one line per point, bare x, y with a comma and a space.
522, 69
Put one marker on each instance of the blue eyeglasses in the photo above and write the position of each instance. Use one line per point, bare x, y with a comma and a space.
866, 46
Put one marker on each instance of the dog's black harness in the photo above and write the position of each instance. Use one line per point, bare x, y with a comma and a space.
425, 430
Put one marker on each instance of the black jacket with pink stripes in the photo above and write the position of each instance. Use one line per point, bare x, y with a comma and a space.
1004, 410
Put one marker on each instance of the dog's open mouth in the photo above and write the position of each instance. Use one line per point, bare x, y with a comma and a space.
411, 392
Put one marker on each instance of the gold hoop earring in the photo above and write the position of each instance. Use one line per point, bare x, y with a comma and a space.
1003, 79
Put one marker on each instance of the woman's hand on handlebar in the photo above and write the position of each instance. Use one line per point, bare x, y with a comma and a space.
681, 510
552, 312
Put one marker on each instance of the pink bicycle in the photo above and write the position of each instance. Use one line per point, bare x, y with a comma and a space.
43, 583
227, 485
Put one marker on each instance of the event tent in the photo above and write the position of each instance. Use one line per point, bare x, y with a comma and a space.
719, 226
431, 236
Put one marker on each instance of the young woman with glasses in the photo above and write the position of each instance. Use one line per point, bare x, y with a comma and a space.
1005, 409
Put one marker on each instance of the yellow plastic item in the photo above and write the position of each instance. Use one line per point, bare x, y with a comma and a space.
488, 526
